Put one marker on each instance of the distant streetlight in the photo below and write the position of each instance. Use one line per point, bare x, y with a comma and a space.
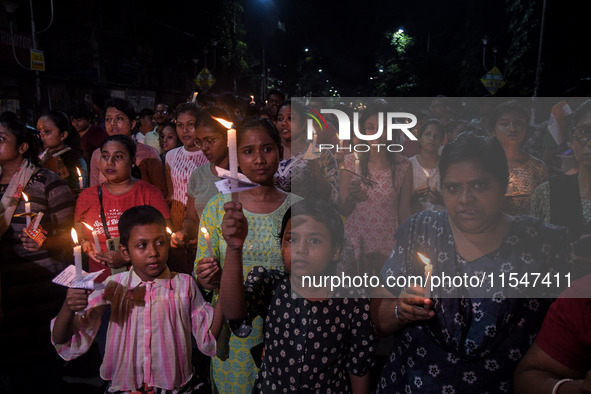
306, 49
484, 42
319, 70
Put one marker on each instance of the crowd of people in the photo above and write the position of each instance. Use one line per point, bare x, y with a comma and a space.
205, 291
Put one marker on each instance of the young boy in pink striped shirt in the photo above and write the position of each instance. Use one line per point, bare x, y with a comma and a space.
153, 312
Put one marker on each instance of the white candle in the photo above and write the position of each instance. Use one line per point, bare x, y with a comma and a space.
194, 99
80, 179
27, 209
37, 221
357, 164
426, 176
97, 244
428, 271
232, 150
77, 255
207, 241
314, 141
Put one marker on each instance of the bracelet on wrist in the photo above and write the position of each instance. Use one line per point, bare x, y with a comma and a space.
558, 384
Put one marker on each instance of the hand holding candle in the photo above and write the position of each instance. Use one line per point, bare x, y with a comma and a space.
428, 272
208, 241
77, 255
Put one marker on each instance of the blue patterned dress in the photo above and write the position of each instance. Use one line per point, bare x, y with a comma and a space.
471, 345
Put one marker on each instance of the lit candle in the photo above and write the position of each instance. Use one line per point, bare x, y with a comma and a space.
169, 231
428, 271
252, 100
357, 168
426, 176
80, 179
77, 255
37, 221
27, 209
208, 241
232, 150
97, 244
194, 99
314, 141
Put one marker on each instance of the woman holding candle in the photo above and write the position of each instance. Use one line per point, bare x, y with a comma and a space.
101, 206
509, 124
259, 152
473, 341
375, 197
425, 174
29, 299
62, 152
306, 177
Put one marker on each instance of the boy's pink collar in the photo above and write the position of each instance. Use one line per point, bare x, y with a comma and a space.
164, 279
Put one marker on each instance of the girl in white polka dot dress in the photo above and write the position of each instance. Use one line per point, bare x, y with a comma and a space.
315, 340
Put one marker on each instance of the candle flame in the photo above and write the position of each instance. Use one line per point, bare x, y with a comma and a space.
426, 174
168, 230
88, 226
74, 236
78, 170
204, 230
252, 97
25, 197
424, 259
223, 122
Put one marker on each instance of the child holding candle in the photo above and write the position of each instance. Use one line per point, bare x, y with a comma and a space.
121, 191
62, 152
153, 313
259, 153
181, 161
29, 299
314, 321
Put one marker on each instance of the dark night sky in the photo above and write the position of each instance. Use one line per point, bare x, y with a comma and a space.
344, 38
347, 33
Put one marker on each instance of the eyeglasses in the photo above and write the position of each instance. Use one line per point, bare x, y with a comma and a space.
582, 134
162, 111
209, 141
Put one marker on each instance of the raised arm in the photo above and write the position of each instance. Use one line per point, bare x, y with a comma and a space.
234, 231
